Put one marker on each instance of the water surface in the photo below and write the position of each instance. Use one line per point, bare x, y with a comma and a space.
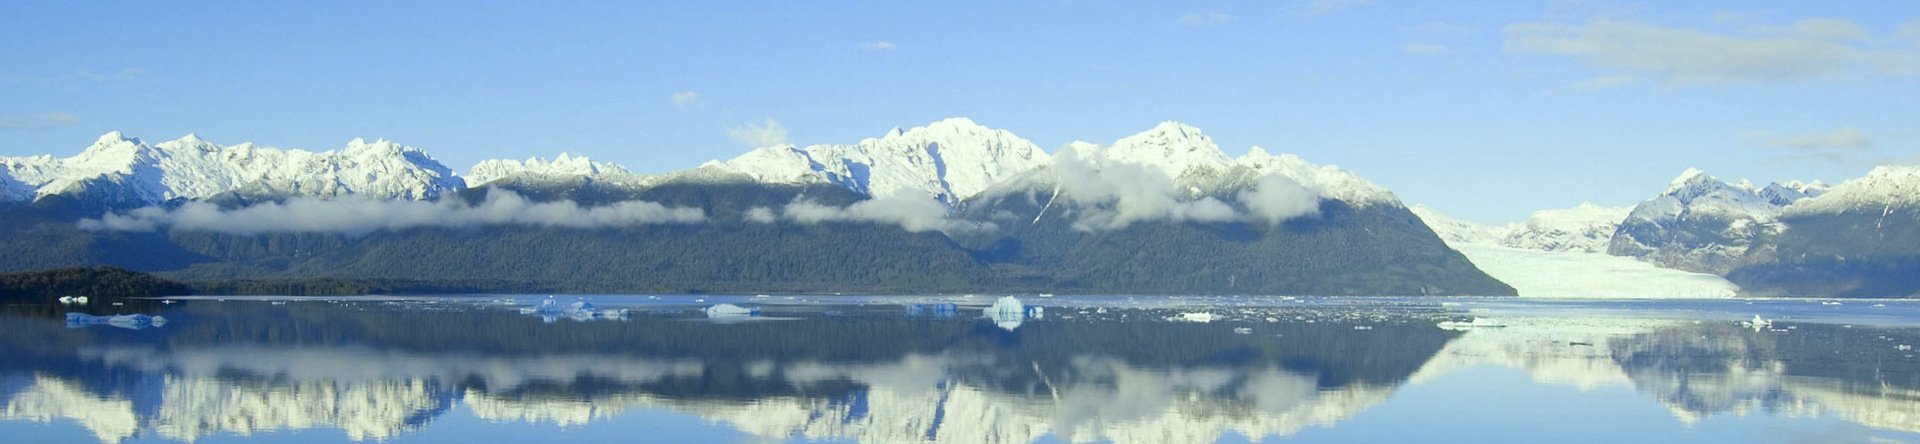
938, 369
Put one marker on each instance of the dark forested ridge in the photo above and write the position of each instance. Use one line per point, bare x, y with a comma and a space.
89, 281
1344, 250
1858, 253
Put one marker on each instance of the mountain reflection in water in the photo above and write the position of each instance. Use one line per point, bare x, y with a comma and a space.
878, 371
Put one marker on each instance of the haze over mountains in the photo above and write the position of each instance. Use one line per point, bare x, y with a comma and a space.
950, 206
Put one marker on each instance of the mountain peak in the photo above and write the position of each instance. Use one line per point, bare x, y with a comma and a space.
1691, 175
111, 137
1173, 147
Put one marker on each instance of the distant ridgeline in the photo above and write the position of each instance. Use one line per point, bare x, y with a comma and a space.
949, 207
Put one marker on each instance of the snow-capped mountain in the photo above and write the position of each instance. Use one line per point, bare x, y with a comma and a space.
1703, 224
948, 160
1584, 228
121, 169
563, 168
1587, 227
1882, 188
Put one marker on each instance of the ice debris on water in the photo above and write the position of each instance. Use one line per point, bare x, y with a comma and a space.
1477, 322
720, 311
943, 310
551, 310
127, 321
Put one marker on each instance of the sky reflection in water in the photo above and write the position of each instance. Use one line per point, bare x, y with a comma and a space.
918, 369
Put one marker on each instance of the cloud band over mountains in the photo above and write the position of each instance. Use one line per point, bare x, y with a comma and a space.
358, 216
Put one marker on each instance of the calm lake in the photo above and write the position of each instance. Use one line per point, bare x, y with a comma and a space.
955, 369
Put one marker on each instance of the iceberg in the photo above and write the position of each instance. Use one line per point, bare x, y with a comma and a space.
719, 311
128, 321
1008, 313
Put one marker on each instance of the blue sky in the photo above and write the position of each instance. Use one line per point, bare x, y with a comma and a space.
1487, 110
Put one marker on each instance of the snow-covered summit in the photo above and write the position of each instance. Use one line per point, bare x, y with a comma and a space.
948, 160
1586, 228
1882, 188
562, 167
1174, 148
131, 170
1695, 192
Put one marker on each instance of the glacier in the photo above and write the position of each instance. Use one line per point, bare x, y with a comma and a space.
1559, 254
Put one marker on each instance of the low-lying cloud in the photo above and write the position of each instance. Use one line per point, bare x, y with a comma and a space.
356, 216
1114, 195
912, 213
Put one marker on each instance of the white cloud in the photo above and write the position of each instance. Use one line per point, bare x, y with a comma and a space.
913, 213
358, 216
1114, 195
1200, 19
685, 98
1808, 49
1275, 199
882, 45
757, 136
37, 121
762, 215
1847, 139
1423, 48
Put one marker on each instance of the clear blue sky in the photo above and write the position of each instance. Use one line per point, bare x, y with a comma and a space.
1487, 110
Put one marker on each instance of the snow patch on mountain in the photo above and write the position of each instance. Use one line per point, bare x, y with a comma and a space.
131, 170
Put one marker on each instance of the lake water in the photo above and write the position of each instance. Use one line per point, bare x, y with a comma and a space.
934, 369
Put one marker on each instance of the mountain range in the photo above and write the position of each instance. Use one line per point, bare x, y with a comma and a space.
950, 206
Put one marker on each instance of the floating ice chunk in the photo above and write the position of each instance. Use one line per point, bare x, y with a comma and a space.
1201, 317
1477, 322
731, 311
943, 310
1243, 330
551, 310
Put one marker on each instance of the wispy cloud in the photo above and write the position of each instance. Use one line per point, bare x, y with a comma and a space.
1838, 139
1604, 82
124, 75
358, 216
1423, 48
1804, 50
912, 213
685, 98
1324, 7
878, 46
756, 136
1204, 19
37, 121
